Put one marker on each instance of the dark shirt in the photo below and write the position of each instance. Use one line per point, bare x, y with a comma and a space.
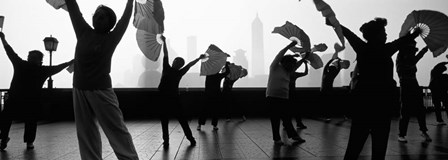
93, 52
28, 78
169, 83
228, 85
375, 63
213, 83
329, 74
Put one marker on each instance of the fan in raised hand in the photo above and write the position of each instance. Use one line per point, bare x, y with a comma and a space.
434, 26
214, 61
294, 33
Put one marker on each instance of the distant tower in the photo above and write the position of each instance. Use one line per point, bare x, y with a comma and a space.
257, 60
240, 58
192, 52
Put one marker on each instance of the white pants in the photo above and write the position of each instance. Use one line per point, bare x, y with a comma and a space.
102, 105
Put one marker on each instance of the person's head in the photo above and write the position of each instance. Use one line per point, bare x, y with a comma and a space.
104, 19
288, 62
374, 31
345, 64
35, 57
178, 62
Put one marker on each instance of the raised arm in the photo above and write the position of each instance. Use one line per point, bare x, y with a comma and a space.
298, 75
192, 63
396, 44
420, 54
356, 42
52, 70
123, 23
79, 23
280, 54
166, 63
9, 51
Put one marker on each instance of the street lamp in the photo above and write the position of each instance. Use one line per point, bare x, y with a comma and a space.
51, 44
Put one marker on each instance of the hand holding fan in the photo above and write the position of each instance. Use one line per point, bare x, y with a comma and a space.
294, 33
330, 18
314, 60
214, 61
151, 10
434, 26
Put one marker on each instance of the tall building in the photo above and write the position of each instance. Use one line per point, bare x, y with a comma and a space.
257, 59
192, 52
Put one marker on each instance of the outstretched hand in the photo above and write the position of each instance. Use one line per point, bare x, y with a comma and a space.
328, 23
202, 56
163, 38
425, 49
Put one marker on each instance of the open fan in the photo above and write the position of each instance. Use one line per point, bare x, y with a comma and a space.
314, 60
149, 9
330, 16
57, 4
321, 47
294, 33
434, 26
150, 44
214, 61
235, 71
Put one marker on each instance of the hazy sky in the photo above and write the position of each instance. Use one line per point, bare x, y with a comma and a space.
226, 23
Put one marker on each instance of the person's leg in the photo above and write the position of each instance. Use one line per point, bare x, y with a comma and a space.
404, 120
5, 126
437, 108
106, 109
359, 132
30, 131
89, 139
380, 136
165, 133
275, 118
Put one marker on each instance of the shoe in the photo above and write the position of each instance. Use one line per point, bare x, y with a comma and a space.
228, 120
192, 141
301, 126
441, 123
278, 142
29, 146
4, 143
297, 140
244, 118
426, 136
199, 128
402, 139
215, 128
327, 120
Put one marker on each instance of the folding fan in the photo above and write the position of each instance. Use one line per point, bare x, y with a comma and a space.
434, 26
314, 60
150, 44
58, 4
150, 9
235, 71
243, 73
330, 16
294, 33
319, 48
337, 48
214, 61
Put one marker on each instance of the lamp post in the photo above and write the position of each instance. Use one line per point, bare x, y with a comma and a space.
51, 44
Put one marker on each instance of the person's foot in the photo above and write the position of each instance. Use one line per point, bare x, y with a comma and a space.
192, 141
297, 140
228, 120
199, 128
4, 143
402, 139
426, 136
441, 123
278, 142
215, 128
244, 118
327, 120
29, 146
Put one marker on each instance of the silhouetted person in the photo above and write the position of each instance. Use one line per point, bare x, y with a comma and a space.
169, 89
374, 91
411, 95
293, 96
330, 71
277, 94
214, 98
439, 87
229, 97
25, 92
93, 96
